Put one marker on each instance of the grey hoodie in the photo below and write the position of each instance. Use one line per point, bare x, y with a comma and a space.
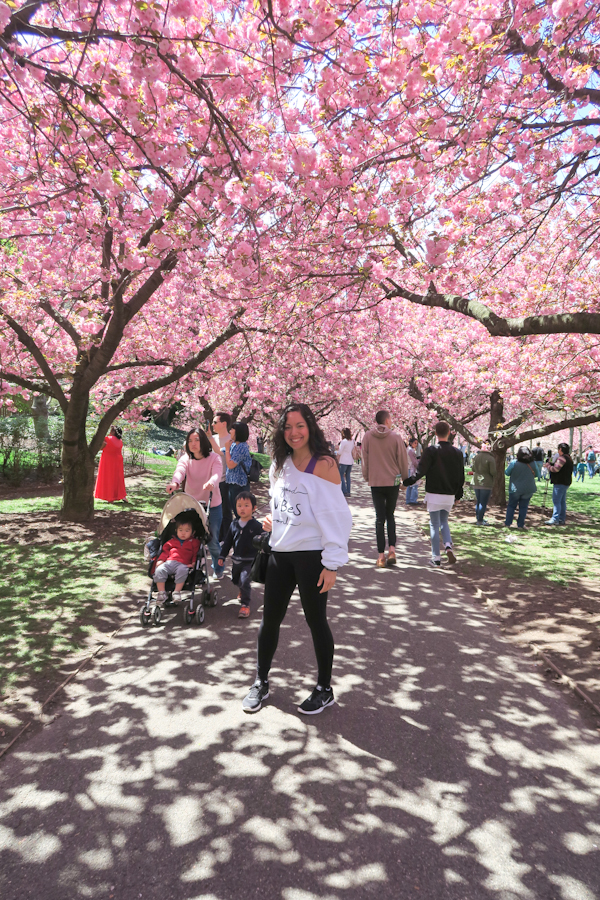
384, 457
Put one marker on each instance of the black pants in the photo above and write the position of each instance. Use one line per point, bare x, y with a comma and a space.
384, 501
285, 571
224, 488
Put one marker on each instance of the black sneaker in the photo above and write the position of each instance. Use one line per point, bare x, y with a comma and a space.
318, 700
259, 691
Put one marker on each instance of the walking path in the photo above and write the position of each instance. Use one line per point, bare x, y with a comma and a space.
448, 768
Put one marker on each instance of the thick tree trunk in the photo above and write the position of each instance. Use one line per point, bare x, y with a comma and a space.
498, 495
77, 465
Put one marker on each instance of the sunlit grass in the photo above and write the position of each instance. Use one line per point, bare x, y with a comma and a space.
559, 554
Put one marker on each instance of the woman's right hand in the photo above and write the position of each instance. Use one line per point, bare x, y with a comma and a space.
267, 523
171, 488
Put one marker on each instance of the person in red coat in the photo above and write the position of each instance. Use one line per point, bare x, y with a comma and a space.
110, 483
177, 557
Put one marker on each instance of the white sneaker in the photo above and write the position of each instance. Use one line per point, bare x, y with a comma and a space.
176, 597
161, 597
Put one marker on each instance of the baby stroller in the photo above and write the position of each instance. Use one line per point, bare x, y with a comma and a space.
193, 608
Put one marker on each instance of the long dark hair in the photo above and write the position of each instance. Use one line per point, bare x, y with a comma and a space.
316, 439
242, 432
346, 434
205, 447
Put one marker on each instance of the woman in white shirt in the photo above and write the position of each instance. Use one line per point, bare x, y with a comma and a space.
310, 526
346, 460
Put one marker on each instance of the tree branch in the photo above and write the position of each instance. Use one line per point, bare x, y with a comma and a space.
61, 321
559, 323
31, 346
149, 387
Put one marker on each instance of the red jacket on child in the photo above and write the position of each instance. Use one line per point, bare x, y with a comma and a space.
182, 551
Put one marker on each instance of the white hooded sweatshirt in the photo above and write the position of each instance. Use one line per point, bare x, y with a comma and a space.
309, 513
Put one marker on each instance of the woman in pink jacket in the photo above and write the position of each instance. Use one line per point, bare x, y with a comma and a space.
201, 469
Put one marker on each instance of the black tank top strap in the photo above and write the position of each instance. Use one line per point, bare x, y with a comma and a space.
309, 470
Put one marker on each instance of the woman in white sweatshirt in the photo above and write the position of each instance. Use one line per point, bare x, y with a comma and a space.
310, 524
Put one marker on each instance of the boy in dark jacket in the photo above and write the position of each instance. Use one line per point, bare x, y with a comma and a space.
240, 536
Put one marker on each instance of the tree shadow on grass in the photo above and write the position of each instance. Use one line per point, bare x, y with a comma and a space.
448, 769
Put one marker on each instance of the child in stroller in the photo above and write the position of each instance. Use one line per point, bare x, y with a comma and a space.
178, 559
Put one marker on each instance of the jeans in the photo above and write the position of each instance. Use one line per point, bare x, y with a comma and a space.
345, 470
580, 476
234, 490
384, 501
538, 469
438, 521
515, 499
591, 466
412, 493
482, 496
224, 489
559, 503
285, 571
215, 517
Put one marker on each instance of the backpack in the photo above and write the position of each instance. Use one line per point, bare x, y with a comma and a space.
253, 473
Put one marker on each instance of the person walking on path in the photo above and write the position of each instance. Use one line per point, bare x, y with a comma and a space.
538, 459
561, 476
521, 486
581, 470
238, 462
591, 461
310, 526
240, 536
110, 482
484, 471
412, 492
384, 458
201, 469
444, 470
221, 424
346, 460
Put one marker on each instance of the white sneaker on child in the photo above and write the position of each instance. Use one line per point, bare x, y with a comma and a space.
161, 597
176, 597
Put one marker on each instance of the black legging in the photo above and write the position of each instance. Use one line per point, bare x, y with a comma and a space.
384, 501
285, 571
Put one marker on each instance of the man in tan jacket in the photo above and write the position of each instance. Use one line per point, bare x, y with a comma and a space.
384, 457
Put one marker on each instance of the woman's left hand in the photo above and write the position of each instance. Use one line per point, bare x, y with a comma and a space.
327, 579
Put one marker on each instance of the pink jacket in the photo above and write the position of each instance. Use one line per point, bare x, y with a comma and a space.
196, 473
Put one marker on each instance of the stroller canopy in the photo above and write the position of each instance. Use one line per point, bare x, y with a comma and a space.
178, 503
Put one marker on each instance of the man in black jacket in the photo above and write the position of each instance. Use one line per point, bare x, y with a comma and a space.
444, 471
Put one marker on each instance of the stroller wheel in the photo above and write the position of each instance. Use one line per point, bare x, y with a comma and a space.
213, 595
200, 615
145, 616
187, 615
205, 597
157, 615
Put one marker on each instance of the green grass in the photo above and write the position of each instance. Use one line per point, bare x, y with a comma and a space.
559, 555
59, 593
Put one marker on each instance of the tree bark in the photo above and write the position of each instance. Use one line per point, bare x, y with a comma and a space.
77, 465
498, 495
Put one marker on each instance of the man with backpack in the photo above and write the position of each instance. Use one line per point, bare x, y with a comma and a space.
538, 459
590, 459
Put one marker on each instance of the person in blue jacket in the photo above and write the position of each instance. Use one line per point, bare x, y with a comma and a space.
522, 486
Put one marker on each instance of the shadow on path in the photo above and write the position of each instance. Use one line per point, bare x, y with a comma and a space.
448, 768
